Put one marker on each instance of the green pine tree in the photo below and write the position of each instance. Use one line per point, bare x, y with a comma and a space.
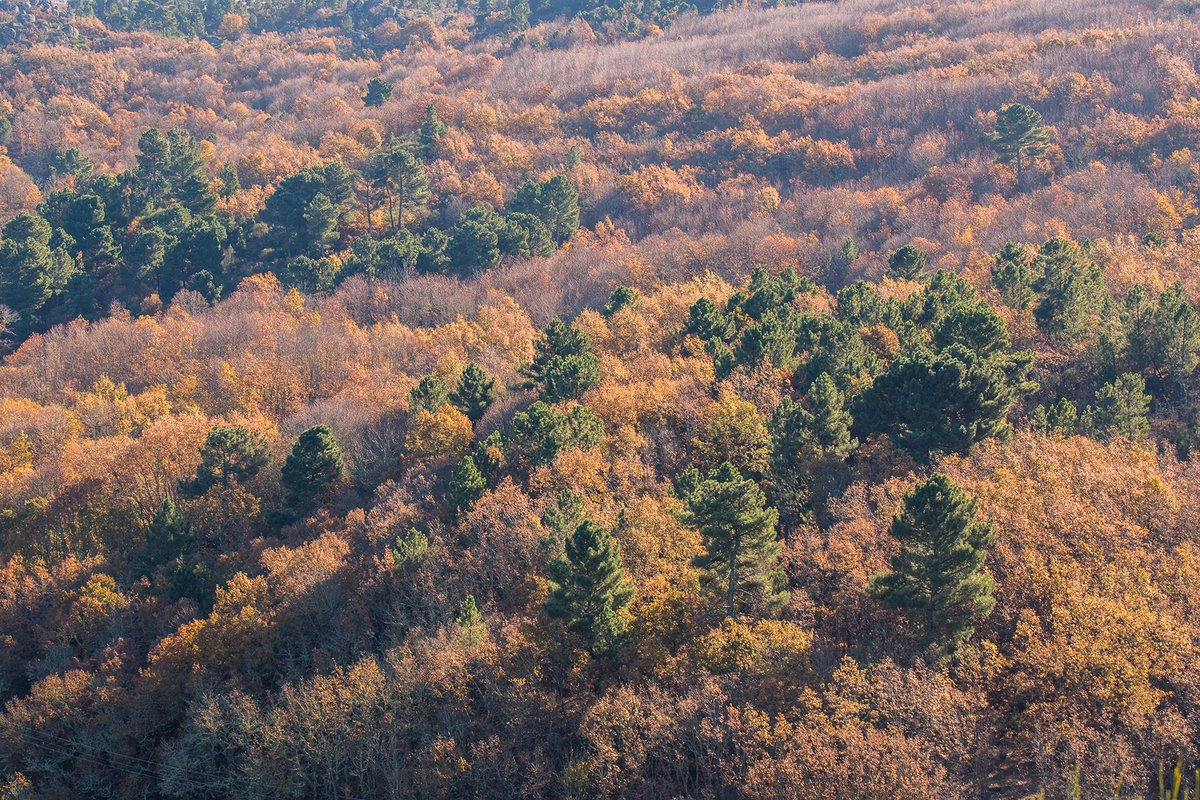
946, 401
560, 205
377, 93
1074, 297
1061, 419
397, 172
431, 132
741, 557
1176, 337
474, 393
621, 297
312, 470
1120, 409
564, 366
841, 261
541, 432
908, 262
230, 454
806, 443
560, 520
428, 395
936, 576
975, 326
589, 589
706, 321
320, 219
466, 486
1013, 276
168, 537
1020, 137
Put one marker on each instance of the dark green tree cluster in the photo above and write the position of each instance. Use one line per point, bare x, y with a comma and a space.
35, 266
908, 262
429, 394
588, 589
312, 470
741, 549
759, 326
935, 577
948, 392
808, 441
541, 432
377, 92
555, 203
1020, 137
564, 366
474, 393
104, 238
230, 454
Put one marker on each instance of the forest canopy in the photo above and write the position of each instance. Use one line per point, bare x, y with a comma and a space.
624, 400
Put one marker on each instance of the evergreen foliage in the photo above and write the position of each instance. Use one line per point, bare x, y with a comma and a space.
738, 532
589, 589
312, 470
474, 393
936, 577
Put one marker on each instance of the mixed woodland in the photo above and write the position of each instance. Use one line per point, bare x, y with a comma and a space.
560, 400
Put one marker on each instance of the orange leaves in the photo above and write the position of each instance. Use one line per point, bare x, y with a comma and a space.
439, 436
657, 185
775, 657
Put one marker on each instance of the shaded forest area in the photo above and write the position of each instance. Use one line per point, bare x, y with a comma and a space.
606, 402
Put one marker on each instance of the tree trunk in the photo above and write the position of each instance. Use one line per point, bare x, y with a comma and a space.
729, 611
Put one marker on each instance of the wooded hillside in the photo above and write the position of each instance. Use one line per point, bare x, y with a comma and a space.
622, 401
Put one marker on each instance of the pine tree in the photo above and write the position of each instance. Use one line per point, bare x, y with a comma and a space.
428, 395
312, 469
466, 486
561, 202
1013, 276
975, 326
560, 520
738, 531
399, 174
1137, 317
469, 622
474, 243
474, 392
31, 273
1176, 337
830, 427
621, 297
841, 261
908, 262
1120, 409
197, 197
807, 443
943, 402
706, 321
320, 220
1075, 298
377, 93
230, 183
589, 589
564, 366
936, 575
1020, 137
1061, 419
168, 537
230, 454
555, 202
431, 132
151, 173
541, 432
